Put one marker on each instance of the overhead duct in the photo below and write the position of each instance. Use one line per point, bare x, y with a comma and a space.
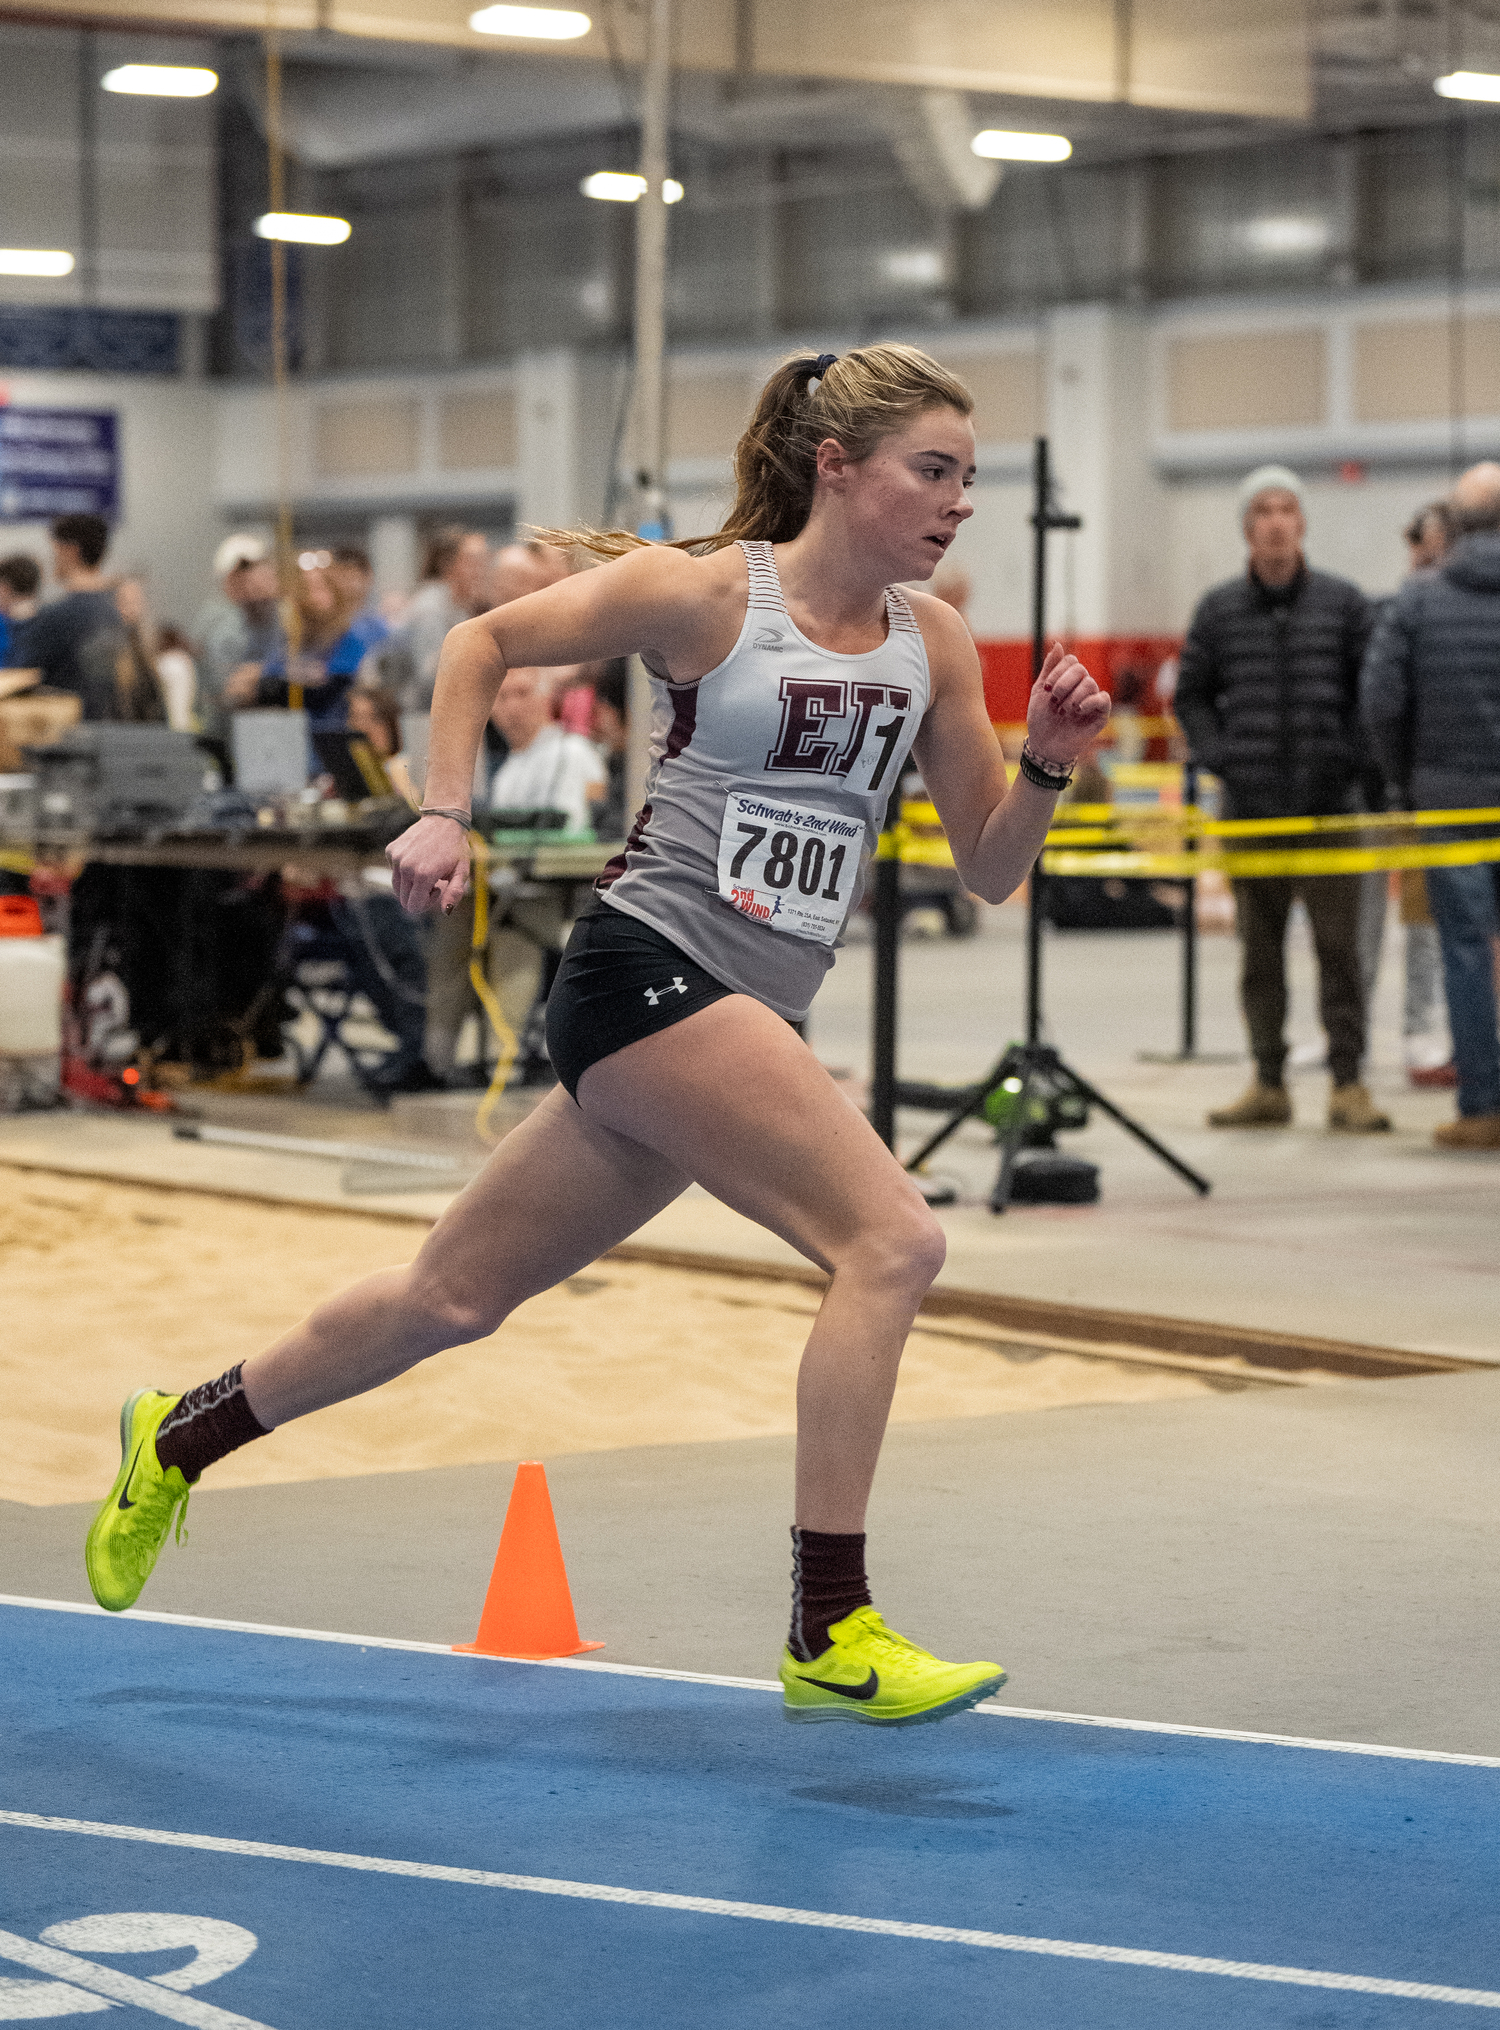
930, 132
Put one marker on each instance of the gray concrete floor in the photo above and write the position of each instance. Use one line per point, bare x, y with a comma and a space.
1382, 1239
1318, 1562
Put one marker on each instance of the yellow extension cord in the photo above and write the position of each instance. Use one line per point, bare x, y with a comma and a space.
505, 1036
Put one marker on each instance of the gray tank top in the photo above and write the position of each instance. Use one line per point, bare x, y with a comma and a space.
767, 783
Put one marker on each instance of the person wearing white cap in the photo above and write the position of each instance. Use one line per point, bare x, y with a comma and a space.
243, 626
1268, 696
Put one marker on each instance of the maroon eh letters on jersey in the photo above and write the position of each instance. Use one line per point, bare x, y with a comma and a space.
812, 710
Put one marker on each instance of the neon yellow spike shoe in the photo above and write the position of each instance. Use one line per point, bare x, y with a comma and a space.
870, 1673
132, 1525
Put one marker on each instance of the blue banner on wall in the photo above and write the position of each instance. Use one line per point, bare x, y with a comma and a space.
58, 462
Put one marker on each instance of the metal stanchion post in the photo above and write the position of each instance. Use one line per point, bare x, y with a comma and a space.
1190, 925
1024, 1065
1187, 1051
1034, 914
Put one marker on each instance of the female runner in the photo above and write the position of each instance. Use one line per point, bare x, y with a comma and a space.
791, 679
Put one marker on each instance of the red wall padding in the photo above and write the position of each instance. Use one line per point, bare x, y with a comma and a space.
1109, 660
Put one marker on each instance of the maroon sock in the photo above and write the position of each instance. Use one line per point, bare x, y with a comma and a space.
210, 1420
828, 1582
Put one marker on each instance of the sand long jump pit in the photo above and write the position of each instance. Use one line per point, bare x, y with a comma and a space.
108, 1287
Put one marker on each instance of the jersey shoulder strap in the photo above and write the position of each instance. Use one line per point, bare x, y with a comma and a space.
765, 582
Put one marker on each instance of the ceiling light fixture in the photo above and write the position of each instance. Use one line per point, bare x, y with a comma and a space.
543, 24
304, 228
998, 146
618, 186
161, 80
1468, 84
34, 261
1287, 237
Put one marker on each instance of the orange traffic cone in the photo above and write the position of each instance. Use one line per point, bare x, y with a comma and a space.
528, 1611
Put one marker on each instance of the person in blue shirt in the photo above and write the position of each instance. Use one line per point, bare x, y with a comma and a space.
327, 662
20, 581
353, 579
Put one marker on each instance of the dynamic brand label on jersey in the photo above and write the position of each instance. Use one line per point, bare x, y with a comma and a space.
787, 865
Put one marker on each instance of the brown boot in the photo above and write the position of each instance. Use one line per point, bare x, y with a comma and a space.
1351, 1111
1259, 1106
1469, 1131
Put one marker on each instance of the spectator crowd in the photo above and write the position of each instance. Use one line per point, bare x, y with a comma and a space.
555, 744
1307, 700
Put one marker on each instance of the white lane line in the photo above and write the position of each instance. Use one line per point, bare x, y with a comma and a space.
765, 1913
993, 1711
118, 1987
990, 1709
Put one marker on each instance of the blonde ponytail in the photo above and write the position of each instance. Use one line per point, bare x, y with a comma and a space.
858, 399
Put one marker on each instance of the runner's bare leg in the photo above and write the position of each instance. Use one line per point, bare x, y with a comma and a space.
730, 1096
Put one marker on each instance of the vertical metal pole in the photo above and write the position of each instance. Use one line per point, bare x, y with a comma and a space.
651, 272
1041, 493
648, 437
1034, 954
1040, 513
886, 906
1190, 927
88, 167
286, 566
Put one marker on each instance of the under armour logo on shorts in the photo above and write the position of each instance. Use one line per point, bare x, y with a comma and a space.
654, 994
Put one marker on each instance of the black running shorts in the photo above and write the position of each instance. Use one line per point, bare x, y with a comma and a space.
619, 980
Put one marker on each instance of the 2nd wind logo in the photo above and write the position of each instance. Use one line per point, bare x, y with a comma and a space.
748, 903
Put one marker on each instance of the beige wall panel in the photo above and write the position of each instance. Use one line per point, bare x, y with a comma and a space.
1197, 53
1066, 47
1008, 394
1403, 371
1261, 380
1220, 55
477, 428
290, 14
706, 413
365, 439
1481, 365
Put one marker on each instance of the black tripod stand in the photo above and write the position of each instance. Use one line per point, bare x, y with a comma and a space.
1033, 1066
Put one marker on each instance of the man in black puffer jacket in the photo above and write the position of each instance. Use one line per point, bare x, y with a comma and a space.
1268, 696
1431, 697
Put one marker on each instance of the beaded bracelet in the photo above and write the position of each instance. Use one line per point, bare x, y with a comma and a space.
463, 818
1042, 773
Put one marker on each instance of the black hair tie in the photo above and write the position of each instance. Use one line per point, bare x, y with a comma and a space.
820, 366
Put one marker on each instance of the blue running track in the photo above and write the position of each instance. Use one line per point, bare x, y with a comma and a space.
224, 1828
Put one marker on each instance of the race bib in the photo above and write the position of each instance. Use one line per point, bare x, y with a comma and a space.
789, 867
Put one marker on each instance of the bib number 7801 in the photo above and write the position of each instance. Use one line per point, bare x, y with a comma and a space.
788, 866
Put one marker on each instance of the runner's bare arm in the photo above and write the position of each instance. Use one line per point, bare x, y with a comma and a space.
656, 602
996, 831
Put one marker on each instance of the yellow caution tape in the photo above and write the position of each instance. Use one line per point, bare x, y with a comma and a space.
1248, 866
917, 840
1198, 824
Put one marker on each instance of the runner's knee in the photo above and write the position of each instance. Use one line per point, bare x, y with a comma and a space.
905, 1251
452, 1317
